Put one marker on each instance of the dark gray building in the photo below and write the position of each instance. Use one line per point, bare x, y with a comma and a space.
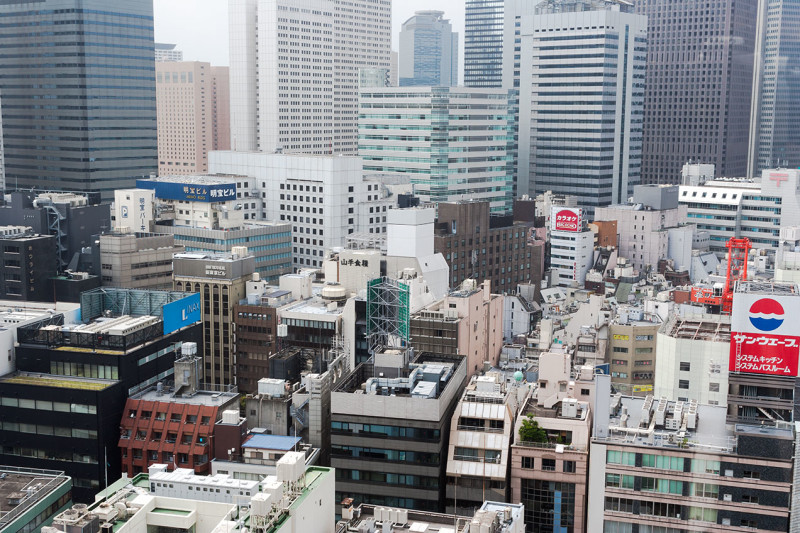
28, 265
483, 43
74, 219
775, 117
390, 425
699, 86
79, 95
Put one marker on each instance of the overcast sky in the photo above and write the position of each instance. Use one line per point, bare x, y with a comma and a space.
200, 27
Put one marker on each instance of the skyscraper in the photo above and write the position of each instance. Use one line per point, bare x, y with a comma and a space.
428, 51
483, 43
454, 143
775, 115
699, 86
192, 107
79, 93
582, 70
294, 67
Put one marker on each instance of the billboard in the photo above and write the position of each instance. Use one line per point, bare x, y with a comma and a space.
182, 313
764, 340
190, 192
566, 219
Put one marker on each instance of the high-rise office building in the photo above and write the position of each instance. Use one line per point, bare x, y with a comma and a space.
294, 67
699, 86
775, 114
483, 43
582, 73
167, 52
79, 104
446, 124
428, 51
191, 108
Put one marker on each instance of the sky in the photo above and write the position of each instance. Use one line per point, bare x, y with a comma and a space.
200, 27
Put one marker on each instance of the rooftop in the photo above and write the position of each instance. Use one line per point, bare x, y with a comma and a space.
199, 179
766, 287
226, 257
63, 382
669, 424
201, 397
714, 329
22, 488
271, 442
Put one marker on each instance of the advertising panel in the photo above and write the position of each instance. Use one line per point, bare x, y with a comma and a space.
190, 192
566, 219
764, 339
181, 313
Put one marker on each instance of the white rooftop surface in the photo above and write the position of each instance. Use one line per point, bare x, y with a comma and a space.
485, 411
197, 179
187, 476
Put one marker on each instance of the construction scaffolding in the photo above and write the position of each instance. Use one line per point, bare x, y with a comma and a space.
388, 314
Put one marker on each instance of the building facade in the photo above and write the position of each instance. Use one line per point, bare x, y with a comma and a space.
137, 260
73, 378
325, 199
167, 52
483, 43
775, 115
453, 143
393, 451
681, 122
582, 117
295, 72
755, 209
24, 513
220, 280
481, 246
29, 264
121, 92
643, 235
428, 51
193, 115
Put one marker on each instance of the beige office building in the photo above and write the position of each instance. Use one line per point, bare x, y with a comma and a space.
221, 280
137, 260
193, 115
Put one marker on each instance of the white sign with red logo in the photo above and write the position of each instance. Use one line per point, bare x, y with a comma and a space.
764, 339
566, 219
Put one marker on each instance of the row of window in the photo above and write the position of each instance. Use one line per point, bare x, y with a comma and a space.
46, 405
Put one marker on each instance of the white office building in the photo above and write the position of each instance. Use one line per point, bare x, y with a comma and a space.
453, 143
756, 209
294, 71
325, 198
571, 247
581, 98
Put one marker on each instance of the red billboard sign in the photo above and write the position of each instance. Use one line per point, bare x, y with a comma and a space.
763, 339
567, 219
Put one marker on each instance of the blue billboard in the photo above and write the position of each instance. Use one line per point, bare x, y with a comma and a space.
190, 192
181, 313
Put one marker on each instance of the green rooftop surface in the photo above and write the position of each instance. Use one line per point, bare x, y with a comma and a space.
59, 382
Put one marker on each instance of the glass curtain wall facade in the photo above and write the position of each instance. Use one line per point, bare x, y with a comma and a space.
79, 94
483, 43
775, 120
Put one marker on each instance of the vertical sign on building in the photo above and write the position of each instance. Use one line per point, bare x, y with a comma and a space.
764, 337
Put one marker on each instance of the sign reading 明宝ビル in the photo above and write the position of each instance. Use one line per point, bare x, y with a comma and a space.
190, 192
763, 338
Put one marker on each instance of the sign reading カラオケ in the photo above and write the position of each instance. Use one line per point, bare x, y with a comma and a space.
566, 219
764, 334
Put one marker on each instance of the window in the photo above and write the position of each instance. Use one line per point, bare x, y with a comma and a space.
548, 465
686, 367
620, 505
683, 383
749, 498
527, 462
751, 474
569, 466
614, 457
713, 387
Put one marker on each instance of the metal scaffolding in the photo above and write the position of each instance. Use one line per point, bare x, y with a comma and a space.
388, 314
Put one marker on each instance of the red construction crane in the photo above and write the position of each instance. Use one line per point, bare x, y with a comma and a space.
738, 250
